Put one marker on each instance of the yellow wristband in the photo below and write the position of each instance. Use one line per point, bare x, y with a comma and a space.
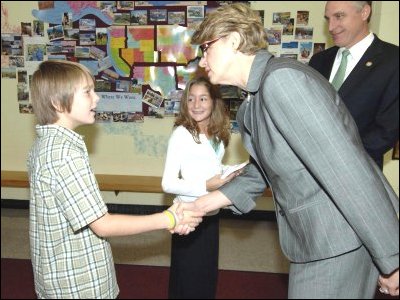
171, 217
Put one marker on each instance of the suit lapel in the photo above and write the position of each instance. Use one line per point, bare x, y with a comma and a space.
327, 68
368, 61
244, 122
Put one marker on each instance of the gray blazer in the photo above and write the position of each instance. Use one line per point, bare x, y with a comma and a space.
330, 197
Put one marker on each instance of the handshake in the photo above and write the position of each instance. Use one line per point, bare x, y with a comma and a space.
183, 217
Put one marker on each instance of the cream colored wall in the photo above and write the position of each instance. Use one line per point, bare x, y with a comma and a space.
16, 129
385, 20
115, 151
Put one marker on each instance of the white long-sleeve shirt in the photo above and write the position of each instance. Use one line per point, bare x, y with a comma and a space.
189, 165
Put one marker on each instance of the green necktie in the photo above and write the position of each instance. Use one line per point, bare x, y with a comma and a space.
339, 76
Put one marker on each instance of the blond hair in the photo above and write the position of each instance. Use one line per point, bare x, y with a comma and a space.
237, 17
53, 87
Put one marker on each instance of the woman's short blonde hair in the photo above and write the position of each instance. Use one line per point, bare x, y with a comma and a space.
53, 87
237, 17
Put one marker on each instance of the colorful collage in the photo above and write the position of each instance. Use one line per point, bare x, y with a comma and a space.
292, 37
138, 51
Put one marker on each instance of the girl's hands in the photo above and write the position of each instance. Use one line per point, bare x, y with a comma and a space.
215, 182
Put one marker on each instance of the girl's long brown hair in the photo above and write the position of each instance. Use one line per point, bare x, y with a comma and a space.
218, 127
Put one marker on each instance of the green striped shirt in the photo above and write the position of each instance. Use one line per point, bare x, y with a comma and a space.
69, 260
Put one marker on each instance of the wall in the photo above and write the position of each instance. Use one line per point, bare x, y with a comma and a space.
139, 149
125, 149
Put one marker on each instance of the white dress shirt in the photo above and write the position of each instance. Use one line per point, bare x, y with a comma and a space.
189, 165
356, 52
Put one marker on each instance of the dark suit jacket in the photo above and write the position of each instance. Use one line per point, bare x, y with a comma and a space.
371, 94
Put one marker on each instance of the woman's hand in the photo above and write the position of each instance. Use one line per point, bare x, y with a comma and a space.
187, 216
389, 284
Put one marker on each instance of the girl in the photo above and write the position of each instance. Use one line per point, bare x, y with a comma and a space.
192, 169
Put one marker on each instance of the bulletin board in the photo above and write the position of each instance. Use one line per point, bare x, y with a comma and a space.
140, 69
138, 51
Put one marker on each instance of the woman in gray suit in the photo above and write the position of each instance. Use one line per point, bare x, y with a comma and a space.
336, 212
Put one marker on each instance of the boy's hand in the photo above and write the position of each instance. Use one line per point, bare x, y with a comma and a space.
188, 217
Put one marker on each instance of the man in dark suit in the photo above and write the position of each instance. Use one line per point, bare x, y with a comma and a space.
370, 88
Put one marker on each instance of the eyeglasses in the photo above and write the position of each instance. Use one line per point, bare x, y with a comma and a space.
204, 47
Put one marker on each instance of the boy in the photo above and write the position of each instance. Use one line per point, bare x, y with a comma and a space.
68, 219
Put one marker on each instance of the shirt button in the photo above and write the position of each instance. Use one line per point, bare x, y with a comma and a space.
282, 212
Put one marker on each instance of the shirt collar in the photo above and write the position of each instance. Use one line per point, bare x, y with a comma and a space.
257, 70
358, 50
53, 130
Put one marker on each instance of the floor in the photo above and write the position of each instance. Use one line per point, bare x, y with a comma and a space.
245, 245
